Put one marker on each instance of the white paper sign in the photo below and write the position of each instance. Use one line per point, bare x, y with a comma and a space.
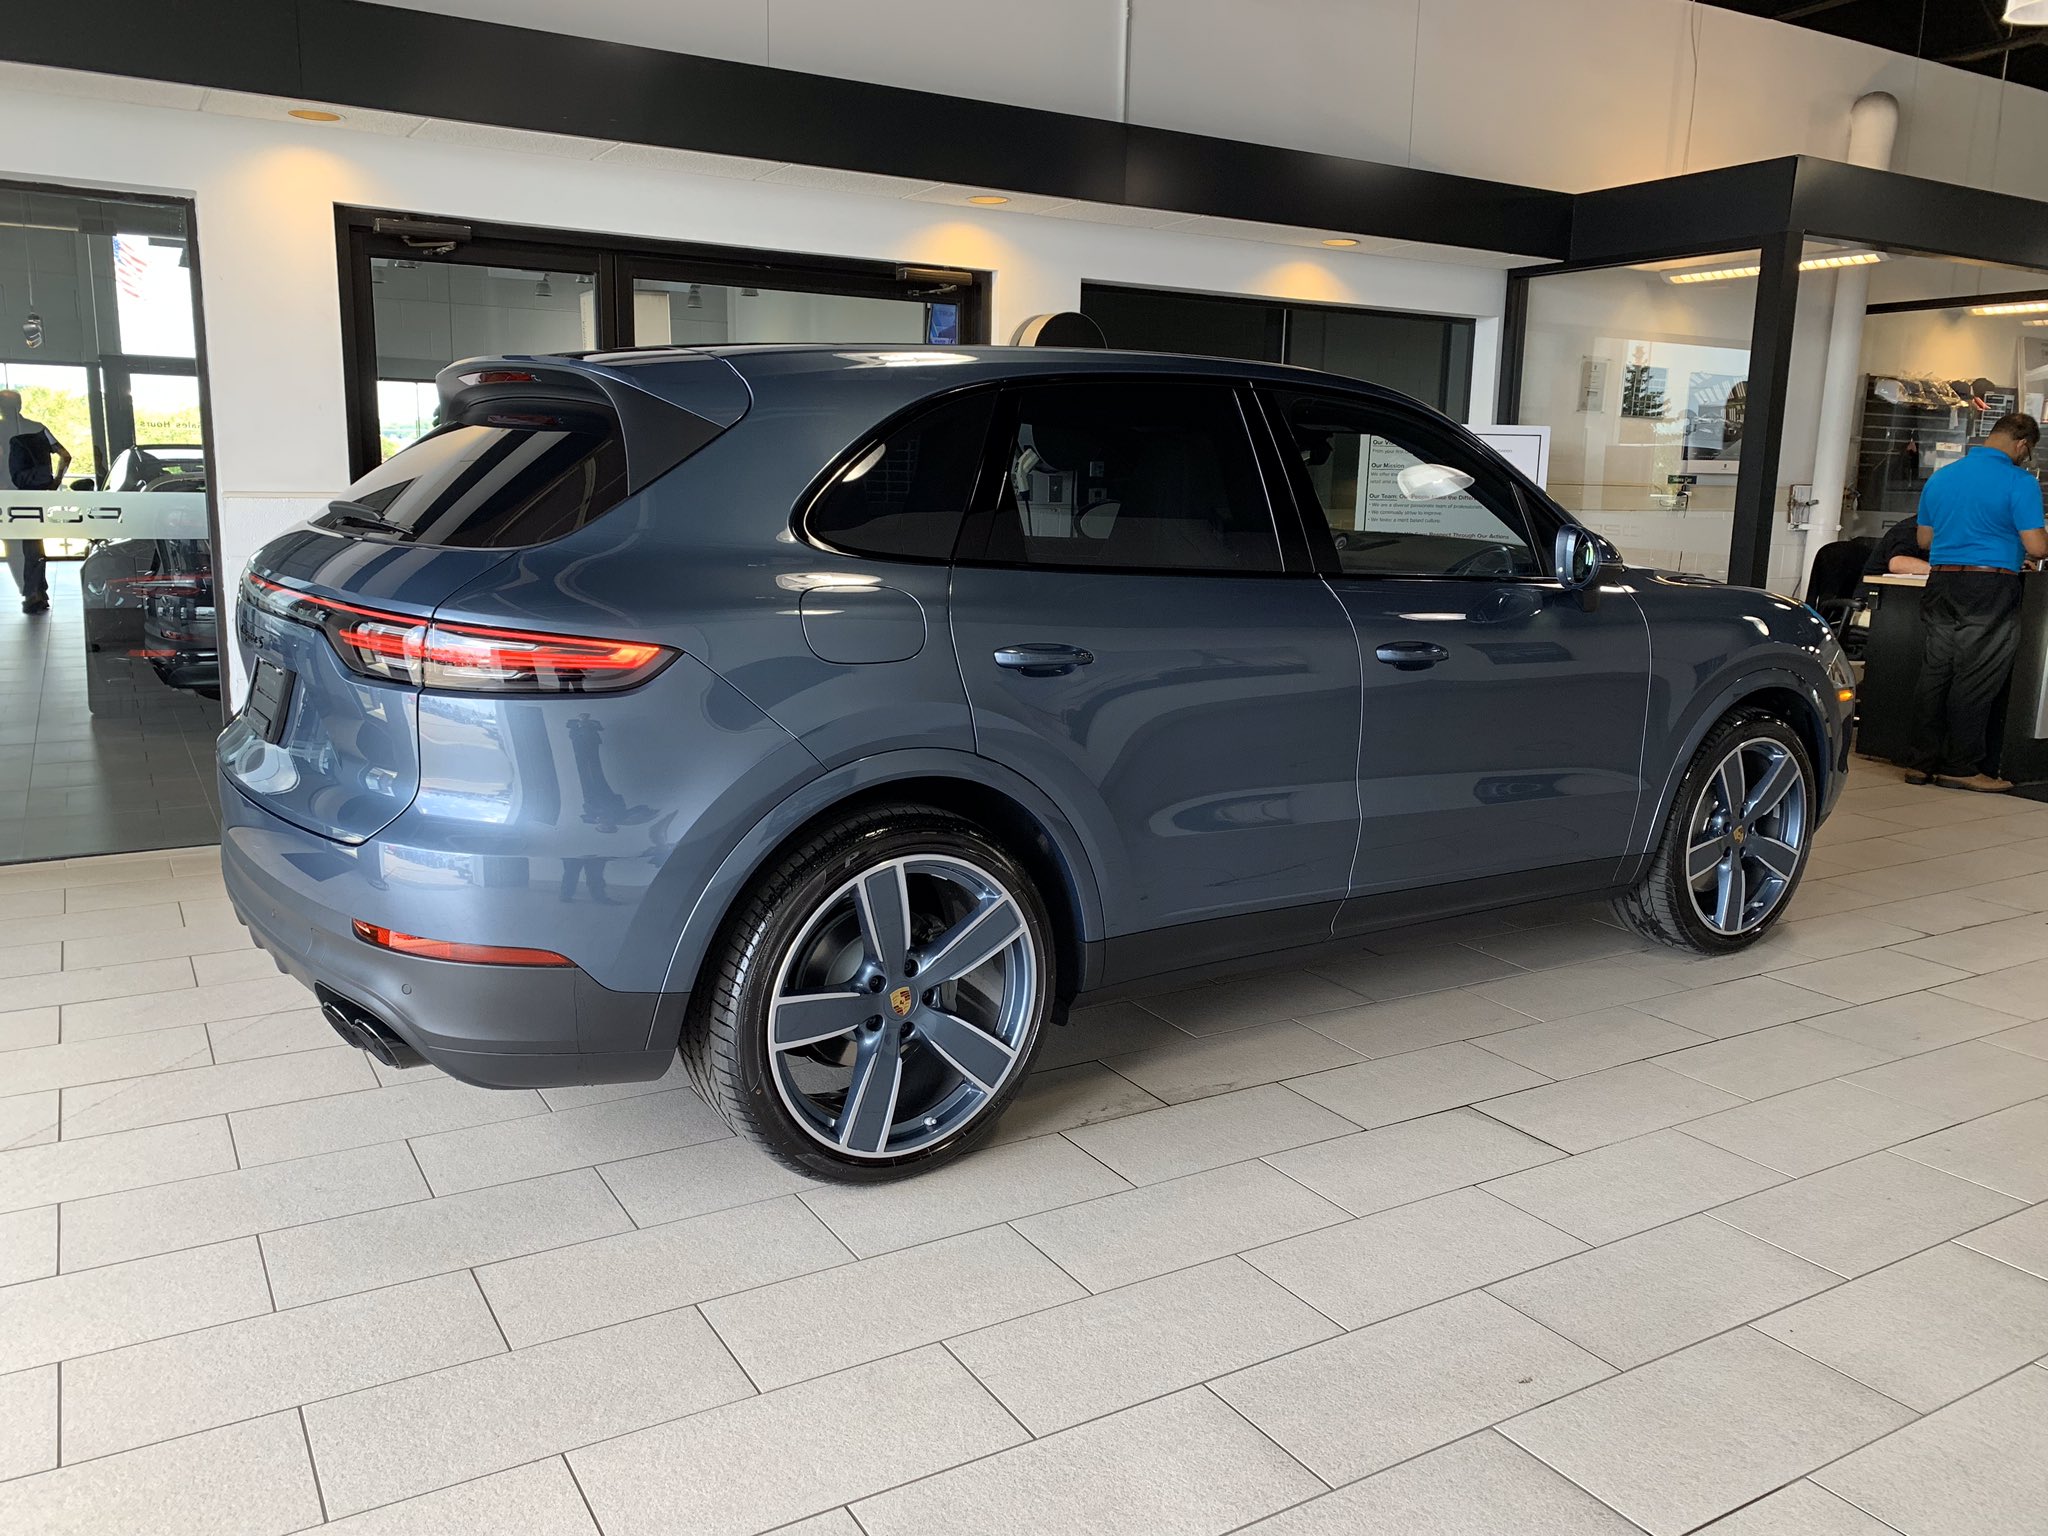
103, 515
1388, 510
1527, 448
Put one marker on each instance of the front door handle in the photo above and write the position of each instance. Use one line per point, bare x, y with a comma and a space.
1043, 660
1411, 655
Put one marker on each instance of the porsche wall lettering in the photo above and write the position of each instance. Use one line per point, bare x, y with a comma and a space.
103, 515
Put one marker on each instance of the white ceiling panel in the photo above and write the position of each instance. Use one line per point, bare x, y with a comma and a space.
278, 109
689, 162
721, 29
490, 136
823, 178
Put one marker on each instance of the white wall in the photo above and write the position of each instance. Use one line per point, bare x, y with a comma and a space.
1558, 93
266, 193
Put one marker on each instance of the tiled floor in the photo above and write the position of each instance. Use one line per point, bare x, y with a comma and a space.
1505, 1226
124, 764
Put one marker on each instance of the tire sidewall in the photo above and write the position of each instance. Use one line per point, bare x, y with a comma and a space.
1706, 760
810, 883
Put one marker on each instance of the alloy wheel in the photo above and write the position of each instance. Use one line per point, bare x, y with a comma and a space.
903, 1006
1745, 836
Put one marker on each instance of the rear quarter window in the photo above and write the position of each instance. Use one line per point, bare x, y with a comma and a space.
905, 496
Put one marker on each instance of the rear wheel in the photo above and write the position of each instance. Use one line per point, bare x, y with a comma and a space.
1735, 842
877, 998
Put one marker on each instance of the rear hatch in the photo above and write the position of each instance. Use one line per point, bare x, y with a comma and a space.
334, 619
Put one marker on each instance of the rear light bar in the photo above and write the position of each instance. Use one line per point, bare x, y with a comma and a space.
448, 949
465, 658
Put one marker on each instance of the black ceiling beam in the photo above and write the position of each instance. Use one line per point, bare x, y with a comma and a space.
394, 59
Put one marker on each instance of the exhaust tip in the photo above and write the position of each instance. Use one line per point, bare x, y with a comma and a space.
364, 1030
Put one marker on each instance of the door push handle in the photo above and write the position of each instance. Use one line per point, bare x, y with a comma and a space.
1043, 660
1411, 655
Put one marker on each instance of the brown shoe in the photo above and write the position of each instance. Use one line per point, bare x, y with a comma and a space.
1981, 783
1915, 776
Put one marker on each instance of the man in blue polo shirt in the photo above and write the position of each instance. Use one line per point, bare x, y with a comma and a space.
1980, 520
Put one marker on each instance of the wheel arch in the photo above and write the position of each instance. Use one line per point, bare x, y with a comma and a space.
1020, 816
1778, 692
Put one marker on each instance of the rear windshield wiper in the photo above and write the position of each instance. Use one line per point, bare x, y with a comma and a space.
357, 514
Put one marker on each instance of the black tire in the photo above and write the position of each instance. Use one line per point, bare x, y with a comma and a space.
726, 1040
1663, 905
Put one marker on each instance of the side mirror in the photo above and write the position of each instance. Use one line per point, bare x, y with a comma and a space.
1577, 558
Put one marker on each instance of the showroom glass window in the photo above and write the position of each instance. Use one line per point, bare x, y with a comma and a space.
1130, 475
904, 497
1399, 499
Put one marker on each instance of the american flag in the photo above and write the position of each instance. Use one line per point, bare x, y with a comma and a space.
129, 265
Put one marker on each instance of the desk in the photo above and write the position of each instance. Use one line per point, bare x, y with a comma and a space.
1884, 709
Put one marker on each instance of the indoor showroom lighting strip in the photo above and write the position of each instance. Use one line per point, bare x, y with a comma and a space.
2024, 307
1811, 264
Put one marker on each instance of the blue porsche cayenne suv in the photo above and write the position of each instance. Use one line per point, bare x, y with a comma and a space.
839, 716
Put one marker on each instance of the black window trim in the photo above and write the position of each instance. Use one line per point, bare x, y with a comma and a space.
1540, 517
979, 524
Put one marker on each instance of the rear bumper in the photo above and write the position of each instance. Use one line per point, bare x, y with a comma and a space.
493, 1025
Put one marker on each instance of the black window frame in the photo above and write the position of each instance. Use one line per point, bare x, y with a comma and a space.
1493, 479
978, 528
613, 262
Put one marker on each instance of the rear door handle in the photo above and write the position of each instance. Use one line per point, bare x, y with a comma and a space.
1043, 660
1411, 655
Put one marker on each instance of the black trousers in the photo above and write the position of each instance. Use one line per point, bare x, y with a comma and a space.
1971, 625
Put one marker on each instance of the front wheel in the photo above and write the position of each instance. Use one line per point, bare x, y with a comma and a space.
1735, 842
877, 998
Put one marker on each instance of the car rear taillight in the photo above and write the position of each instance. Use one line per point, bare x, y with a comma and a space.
449, 949
466, 658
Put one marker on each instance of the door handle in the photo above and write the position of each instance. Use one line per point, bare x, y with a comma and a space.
1043, 660
1411, 655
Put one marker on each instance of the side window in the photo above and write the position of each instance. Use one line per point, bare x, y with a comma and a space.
1394, 506
1131, 474
905, 496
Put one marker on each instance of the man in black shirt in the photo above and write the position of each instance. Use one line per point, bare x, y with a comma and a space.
30, 446
1898, 553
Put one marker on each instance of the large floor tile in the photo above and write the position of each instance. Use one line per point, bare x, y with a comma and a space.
52, 1171
698, 1179
1416, 1023
1870, 976
2007, 1151
1412, 1160
2020, 1240
2028, 1039
1481, 1486
2015, 990
1095, 1356
28, 1421
1194, 1068
531, 1145
428, 1237
1866, 1213
1416, 971
1376, 1093
1067, 1098
1960, 1081
1378, 1266
1547, 946
1661, 1290
421, 1108
1997, 946
997, 1185
1575, 990
538, 1499
157, 980
612, 1279
426, 1432
278, 1360
28, 1119
886, 1305
153, 943
1207, 1133
1102, 1030
1694, 1435
67, 1315
26, 1028
1184, 1463
98, 1061
1608, 1193
733, 1469
1592, 1042
1798, 1509
1774, 1060
1908, 1026
1618, 1104
1220, 1006
1813, 1128
1977, 1466
1847, 933
269, 1034
1149, 1231
137, 1222
97, 1108
28, 1244
239, 999
1926, 1330
248, 1479
1360, 1403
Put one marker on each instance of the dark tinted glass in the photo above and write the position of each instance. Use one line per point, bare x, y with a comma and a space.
905, 496
520, 477
1132, 474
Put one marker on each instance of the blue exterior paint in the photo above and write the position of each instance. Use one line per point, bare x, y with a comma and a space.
1233, 748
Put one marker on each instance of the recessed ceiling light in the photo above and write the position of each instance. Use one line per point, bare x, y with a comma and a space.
988, 200
1338, 242
313, 115
1811, 264
2028, 307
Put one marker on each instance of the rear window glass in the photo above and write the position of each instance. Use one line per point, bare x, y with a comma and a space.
906, 495
522, 477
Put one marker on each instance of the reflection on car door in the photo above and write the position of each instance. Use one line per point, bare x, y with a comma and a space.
1131, 643
1503, 720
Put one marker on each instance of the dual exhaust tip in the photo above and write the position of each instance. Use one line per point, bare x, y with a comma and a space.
364, 1030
